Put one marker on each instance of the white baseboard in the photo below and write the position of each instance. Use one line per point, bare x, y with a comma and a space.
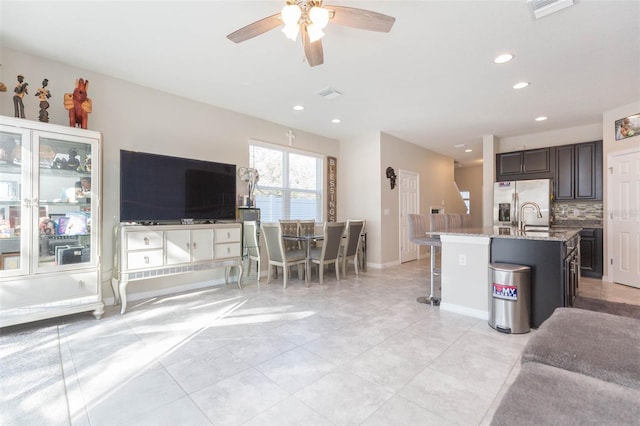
383, 265
463, 310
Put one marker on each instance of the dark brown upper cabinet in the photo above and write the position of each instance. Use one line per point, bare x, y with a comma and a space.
578, 174
521, 165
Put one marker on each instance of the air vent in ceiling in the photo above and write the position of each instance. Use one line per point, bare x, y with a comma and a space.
328, 93
543, 8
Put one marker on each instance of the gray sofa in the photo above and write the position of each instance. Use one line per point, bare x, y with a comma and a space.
579, 368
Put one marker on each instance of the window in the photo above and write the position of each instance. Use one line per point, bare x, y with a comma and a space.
465, 197
290, 185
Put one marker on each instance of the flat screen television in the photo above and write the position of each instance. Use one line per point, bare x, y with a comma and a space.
162, 189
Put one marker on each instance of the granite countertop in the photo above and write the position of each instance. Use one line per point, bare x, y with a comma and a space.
548, 234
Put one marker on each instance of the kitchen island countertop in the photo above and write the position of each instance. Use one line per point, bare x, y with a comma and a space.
532, 233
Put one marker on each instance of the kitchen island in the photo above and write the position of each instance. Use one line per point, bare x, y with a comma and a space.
552, 254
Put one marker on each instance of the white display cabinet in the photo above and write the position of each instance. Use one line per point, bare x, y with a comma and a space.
50, 222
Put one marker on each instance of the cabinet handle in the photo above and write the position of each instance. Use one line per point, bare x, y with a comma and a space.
146, 241
195, 246
228, 250
228, 235
146, 259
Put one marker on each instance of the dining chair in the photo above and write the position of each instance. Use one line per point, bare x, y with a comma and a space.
466, 221
351, 244
454, 222
250, 238
290, 227
330, 250
307, 227
276, 253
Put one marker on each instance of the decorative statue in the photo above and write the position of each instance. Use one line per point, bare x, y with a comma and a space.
43, 94
251, 176
73, 162
20, 91
78, 104
391, 175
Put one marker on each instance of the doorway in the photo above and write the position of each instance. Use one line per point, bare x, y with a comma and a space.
409, 204
624, 217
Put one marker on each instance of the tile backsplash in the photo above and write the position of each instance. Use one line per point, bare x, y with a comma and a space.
578, 211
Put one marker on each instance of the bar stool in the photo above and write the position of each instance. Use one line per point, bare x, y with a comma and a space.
437, 223
417, 227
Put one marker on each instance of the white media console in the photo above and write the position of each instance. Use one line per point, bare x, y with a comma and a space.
143, 252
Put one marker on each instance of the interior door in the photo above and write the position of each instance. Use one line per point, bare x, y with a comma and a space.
408, 204
624, 217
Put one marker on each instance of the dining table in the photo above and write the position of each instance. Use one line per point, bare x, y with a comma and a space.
307, 240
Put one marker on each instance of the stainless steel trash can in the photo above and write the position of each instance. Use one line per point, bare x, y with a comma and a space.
509, 298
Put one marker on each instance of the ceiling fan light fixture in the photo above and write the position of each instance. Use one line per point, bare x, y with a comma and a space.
319, 17
291, 14
291, 31
314, 32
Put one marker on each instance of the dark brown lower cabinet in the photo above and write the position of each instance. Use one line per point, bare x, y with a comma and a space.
591, 252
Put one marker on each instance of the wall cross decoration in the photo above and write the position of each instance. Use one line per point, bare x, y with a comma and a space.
291, 136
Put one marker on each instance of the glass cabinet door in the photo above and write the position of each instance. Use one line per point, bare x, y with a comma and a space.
63, 207
14, 194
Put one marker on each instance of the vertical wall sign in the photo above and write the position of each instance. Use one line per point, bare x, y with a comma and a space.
332, 189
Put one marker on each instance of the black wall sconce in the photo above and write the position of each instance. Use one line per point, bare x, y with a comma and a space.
391, 175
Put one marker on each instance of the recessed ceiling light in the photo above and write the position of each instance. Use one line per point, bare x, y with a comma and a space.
541, 118
298, 107
504, 58
468, 150
335, 121
521, 85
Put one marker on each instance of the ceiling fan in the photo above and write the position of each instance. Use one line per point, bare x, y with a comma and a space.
310, 17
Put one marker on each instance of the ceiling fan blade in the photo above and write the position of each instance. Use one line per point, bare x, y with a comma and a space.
255, 29
361, 18
312, 51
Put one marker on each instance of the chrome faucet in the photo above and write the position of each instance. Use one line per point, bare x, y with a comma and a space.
531, 204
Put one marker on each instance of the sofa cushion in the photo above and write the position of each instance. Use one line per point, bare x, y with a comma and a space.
545, 395
600, 345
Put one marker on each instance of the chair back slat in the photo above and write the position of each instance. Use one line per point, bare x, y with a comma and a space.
354, 229
454, 221
273, 241
466, 221
333, 232
290, 227
416, 227
437, 222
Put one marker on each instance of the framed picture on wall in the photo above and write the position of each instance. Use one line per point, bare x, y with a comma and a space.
628, 127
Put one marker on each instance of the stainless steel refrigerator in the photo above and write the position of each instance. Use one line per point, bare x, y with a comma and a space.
509, 196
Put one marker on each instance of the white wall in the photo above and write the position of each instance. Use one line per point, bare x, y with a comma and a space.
611, 145
470, 179
137, 118
437, 188
359, 187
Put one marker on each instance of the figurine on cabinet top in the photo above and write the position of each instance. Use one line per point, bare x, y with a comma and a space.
78, 104
43, 94
20, 91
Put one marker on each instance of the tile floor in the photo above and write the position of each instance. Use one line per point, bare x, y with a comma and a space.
360, 351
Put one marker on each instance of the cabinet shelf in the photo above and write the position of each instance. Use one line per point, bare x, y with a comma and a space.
43, 273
